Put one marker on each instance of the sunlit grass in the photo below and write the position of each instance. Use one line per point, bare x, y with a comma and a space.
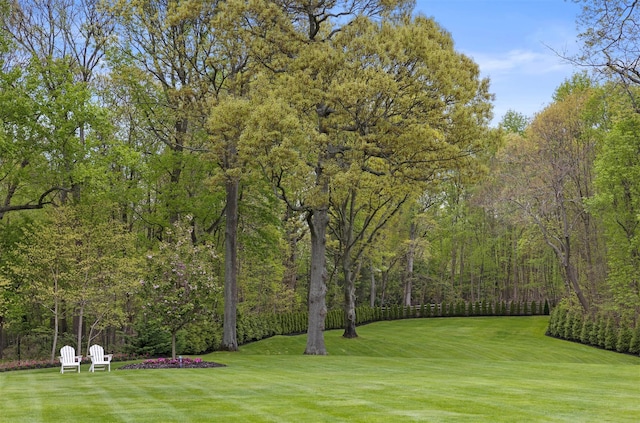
448, 369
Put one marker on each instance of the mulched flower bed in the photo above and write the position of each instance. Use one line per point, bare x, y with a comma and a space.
169, 363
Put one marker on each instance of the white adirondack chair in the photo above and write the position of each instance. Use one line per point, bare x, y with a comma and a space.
99, 360
69, 359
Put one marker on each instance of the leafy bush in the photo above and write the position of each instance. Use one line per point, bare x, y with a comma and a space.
198, 339
150, 340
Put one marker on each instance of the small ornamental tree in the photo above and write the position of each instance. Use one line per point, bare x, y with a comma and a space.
180, 282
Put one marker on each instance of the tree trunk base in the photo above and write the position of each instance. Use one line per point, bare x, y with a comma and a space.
350, 332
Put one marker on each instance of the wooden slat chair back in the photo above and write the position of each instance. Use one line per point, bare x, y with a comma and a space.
99, 360
69, 359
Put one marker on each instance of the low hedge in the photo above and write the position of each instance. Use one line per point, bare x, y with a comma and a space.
602, 329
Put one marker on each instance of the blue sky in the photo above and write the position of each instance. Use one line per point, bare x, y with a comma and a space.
512, 41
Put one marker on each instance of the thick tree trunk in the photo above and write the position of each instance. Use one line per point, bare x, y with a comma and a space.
229, 336
572, 277
318, 221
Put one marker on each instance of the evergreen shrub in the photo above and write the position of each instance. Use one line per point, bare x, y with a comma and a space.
602, 327
624, 338
585, 331
611, 334
576, 326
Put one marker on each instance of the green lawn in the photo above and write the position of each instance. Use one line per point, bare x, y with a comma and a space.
427, 370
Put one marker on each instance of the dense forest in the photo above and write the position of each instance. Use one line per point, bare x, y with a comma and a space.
168, 167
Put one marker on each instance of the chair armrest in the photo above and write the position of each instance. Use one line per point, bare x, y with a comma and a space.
108, 357
78, 358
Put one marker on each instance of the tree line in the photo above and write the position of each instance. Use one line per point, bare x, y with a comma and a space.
173, 167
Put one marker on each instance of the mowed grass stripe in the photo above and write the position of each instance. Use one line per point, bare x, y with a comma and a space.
434, 370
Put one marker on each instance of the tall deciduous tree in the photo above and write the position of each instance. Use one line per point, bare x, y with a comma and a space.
611, 37
56, 129
547, 182
195, 63
389, 99
617, 202
391, 88
165, 58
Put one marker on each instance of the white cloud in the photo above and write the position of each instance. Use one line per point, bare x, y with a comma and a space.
520, 61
